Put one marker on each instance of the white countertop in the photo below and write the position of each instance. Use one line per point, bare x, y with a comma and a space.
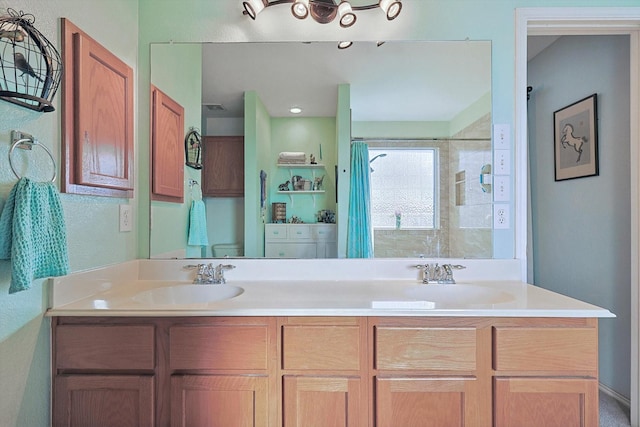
112, 291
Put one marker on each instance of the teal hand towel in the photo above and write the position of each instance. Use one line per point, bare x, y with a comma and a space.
197, 224
33, 233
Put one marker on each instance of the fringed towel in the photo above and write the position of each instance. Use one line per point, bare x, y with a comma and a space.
197, 224
33, 233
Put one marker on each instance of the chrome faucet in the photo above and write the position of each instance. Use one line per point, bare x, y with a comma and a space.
438, 274
218, 275
207, 274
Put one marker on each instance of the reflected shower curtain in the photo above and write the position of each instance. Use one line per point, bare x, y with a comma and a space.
359, 232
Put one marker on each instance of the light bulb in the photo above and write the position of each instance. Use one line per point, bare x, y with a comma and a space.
345, 12
300, 9
391, 8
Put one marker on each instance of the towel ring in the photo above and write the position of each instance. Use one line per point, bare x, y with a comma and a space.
30, 143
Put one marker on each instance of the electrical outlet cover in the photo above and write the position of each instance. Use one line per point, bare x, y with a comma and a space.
501, 216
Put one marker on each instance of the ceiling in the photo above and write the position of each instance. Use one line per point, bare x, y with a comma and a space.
397, 81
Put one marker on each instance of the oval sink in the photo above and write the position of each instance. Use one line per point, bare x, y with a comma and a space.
187, 294
458, 294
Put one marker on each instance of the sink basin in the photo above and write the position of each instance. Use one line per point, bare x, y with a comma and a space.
187, 294
459, 294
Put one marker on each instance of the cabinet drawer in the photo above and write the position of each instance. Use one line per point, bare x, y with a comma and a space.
321, 347
290, 250
275, 232
325, 233
545, 349
218, 347
299, 232
422, 348
126, 347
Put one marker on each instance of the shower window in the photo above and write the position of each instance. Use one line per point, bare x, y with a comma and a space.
404, 188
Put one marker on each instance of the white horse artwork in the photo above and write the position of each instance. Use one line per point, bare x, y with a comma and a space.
569, 139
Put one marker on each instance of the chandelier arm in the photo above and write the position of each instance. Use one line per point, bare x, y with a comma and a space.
366, 7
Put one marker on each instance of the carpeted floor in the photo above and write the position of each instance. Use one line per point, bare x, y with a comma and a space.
612, 412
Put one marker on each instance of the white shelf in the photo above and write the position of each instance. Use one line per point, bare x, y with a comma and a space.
301, 192
300, 166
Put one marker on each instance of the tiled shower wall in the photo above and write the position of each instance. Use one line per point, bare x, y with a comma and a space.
464, 229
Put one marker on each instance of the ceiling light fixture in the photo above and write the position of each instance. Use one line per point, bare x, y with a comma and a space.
324, 11
295, 110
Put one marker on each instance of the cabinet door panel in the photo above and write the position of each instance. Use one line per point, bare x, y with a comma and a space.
105, 347
104, 117
322, 402
545, 349
218, 347
218, 401
425, 402
223, 166
103, 400
167, 147
549, 402
321, 347
425, 348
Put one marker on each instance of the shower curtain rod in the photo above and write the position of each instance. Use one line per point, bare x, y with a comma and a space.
417, 139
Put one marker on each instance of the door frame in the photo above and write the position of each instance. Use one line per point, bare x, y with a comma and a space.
583, 21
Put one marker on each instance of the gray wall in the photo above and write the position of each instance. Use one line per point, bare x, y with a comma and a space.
581, 227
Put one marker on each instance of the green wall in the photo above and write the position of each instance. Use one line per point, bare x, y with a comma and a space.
92, 222
183, 85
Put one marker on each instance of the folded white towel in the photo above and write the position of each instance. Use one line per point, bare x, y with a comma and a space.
292, 157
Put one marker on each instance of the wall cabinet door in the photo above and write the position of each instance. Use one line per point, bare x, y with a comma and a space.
424, 401
219, 401
167, 148
103, 400
322, 402
223, 166
98, 118
550, 402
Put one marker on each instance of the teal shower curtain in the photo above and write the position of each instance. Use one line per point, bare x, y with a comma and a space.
359, 231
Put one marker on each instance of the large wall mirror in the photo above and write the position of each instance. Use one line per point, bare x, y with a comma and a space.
423, 108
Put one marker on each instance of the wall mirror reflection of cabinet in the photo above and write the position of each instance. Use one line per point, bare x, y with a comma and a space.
167, 125
223, 166
97, 110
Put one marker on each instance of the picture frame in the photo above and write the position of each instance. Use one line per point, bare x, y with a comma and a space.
576, 139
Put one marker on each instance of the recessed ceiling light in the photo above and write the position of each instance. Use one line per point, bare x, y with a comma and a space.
295, 110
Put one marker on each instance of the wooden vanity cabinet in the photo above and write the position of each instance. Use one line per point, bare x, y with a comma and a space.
546, 372
104, 373
222, 372
325, 371
430, 372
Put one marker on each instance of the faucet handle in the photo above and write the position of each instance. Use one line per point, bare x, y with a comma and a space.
426, 272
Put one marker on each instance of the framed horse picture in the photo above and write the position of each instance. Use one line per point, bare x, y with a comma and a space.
576, 139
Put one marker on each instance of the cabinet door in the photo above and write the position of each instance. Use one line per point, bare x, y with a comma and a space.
103, 400
223, 166
322, 402
424, 402
219, 401
549, 402
167, 148
98, 118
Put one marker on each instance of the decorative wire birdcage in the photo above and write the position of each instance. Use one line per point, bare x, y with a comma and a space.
30, 66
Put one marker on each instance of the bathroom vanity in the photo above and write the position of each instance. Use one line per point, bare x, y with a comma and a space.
384, 352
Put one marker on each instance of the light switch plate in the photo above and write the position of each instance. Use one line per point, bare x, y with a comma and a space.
501, 162
501, 189
501, 137
126, 218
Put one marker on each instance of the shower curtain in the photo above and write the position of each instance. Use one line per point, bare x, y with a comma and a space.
359, 232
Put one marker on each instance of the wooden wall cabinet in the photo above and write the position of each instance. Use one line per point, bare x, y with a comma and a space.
167, 148
223, 166
97, 125
325, 371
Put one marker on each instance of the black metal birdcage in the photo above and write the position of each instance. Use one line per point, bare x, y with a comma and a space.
30, 66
